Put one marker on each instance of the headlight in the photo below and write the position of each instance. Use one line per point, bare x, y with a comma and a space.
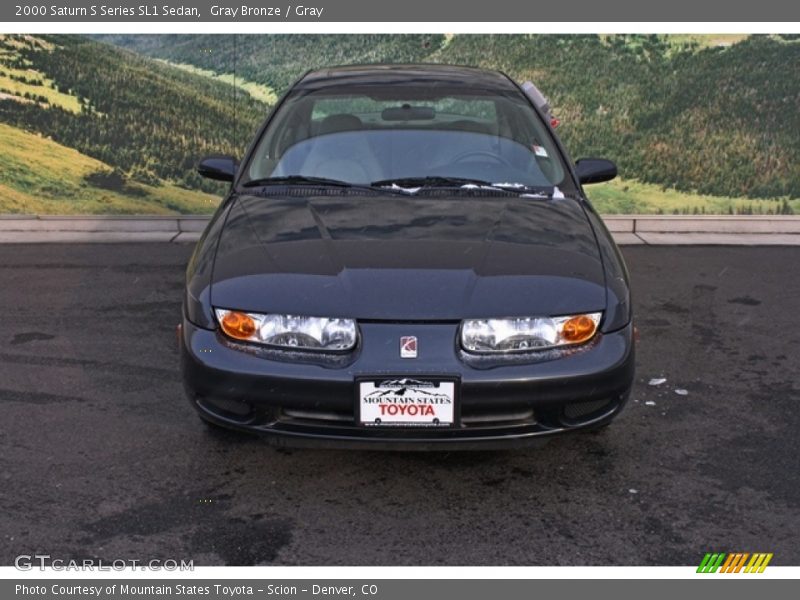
289, 331
523, 334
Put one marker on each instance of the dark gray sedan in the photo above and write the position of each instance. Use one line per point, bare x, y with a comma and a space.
406, 259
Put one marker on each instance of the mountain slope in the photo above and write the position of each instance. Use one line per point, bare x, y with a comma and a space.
40, 176
716, 120
685, 112
712, 118
277, 60
150, 120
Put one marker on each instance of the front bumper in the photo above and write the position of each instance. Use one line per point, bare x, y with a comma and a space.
310, 400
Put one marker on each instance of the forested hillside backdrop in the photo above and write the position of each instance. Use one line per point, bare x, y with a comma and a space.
116, 124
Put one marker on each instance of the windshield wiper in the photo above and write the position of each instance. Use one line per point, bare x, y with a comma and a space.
430, 181
310, 180
297, 179
401, 184
434, 181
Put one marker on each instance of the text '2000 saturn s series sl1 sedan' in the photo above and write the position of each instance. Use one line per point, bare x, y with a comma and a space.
406, 259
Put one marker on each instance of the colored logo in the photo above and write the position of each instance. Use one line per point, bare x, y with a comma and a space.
734, 562
408, 346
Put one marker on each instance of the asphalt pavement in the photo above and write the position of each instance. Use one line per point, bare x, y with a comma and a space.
101, 457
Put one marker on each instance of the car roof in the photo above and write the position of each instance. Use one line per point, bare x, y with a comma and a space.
423, 74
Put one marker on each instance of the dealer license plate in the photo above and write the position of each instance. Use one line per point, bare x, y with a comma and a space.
406, 402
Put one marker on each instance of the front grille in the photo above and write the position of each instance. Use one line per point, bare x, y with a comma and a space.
318, 416
494, 418
577, 411
227, 408
469, 418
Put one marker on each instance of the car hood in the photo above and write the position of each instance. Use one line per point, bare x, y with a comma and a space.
408, 258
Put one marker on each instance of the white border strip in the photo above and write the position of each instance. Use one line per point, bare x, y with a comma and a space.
274, 27
375, 573
389, 28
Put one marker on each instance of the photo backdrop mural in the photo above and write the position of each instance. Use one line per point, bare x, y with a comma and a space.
116, 124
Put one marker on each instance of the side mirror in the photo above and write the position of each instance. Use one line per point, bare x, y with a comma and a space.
221, 168
595, 170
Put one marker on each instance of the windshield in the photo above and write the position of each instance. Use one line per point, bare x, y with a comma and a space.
382, 133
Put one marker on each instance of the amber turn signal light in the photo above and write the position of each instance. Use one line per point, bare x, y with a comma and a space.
578, 329
238, 325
